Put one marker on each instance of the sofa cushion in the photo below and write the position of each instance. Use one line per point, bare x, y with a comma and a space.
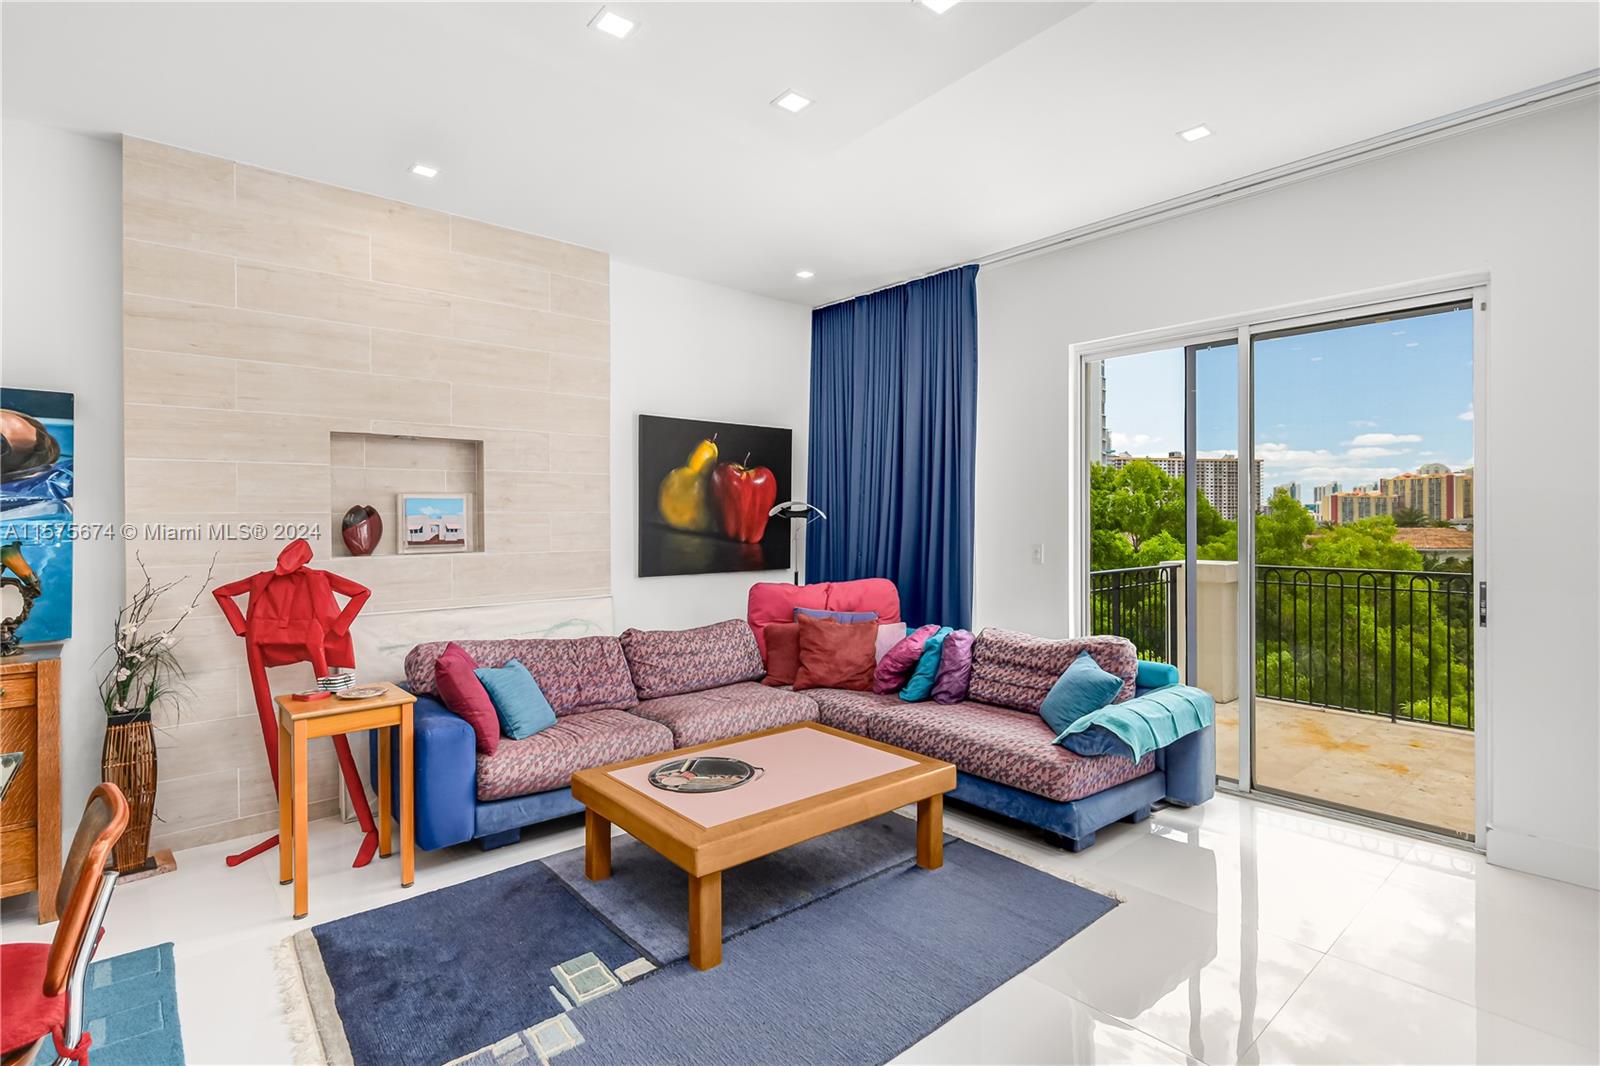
895, 665
550, 757
995, 743
665, 662
783, 653
1017, 670
518, 703
955, 668
464, 696
717, 713
578, 674
772, 601
920, 684
1082, 689
835, 654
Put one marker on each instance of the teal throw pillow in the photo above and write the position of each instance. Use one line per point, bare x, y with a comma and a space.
518, 701
920, 686
1083, 689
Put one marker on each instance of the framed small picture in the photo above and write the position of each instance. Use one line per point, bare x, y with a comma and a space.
435, 522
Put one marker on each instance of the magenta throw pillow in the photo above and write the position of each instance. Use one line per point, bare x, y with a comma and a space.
896, 666
464, 695
955, 668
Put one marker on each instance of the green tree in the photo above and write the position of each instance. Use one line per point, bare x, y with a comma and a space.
1410, 517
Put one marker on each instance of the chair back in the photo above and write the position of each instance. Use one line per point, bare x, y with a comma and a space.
104, 818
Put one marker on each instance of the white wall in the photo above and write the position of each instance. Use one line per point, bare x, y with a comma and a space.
61, 228
694, 350
1517, 200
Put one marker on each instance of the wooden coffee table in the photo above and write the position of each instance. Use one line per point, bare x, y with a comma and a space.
814, 780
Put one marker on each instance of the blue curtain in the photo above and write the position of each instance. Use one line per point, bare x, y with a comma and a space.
894, 383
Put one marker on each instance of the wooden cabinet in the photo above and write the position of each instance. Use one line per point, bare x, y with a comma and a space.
30, 817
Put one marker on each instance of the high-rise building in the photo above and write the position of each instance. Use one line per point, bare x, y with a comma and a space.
1338, 507
1097, 389
1217, 479
1319, 491
1442, 494
1293, 489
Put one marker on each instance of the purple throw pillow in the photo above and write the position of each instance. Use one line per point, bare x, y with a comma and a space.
889, 634
955, 668
464, 695
896, 666
837, 616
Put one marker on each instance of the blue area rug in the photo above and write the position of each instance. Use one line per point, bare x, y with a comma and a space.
851, 959
131, 1011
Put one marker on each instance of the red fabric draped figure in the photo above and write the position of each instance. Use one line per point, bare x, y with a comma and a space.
292, 617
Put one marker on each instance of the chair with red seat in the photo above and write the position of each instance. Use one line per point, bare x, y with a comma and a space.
41, 985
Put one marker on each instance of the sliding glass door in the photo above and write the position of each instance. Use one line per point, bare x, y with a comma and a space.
1364, 611
1291, 524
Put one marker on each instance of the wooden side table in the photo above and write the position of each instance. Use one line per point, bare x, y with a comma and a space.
299, 723
30, 815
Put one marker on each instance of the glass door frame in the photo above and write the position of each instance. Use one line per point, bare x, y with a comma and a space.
1242, 329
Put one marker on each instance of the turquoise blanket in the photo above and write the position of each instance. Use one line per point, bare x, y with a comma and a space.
1153, 720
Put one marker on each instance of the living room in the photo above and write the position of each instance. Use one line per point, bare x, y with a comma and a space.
555, 531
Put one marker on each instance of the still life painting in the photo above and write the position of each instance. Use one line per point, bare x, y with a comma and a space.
36, 475
705, 493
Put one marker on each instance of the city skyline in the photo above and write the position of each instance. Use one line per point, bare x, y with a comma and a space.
1353, 405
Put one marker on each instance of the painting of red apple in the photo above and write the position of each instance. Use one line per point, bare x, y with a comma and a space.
705, 490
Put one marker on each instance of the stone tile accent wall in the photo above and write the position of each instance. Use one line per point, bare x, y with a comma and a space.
292, 348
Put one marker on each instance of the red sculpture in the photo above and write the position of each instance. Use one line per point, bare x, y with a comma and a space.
292, 617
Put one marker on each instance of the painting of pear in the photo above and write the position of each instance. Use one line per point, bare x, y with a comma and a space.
685, 496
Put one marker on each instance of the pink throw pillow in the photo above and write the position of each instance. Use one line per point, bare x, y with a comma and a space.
896, 666
955, 668
464, 695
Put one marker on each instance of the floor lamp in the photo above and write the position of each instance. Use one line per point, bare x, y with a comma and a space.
801, 514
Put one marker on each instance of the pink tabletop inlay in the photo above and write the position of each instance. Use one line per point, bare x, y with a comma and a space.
798, 764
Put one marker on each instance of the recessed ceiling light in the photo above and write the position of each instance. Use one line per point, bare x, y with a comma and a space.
805, 275
1195, 133
424, 170
938, 7
792, 101
607, 21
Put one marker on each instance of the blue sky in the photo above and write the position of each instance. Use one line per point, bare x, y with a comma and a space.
1348, 405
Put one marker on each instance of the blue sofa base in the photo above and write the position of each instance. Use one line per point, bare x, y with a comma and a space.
448, 811
1074, 821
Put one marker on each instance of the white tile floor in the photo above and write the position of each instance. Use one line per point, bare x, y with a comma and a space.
1249, 933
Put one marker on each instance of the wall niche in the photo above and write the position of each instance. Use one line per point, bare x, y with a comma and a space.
375, 469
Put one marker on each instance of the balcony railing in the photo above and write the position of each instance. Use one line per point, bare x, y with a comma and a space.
1389, 642
1140, 603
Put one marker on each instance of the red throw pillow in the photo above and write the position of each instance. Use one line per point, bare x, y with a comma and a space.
783, 653
836, 654
466, 697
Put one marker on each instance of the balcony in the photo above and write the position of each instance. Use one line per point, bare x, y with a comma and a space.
1363, 678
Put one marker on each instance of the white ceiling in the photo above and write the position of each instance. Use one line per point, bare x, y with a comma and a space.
933, 139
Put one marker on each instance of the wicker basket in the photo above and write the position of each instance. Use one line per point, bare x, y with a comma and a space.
128, 761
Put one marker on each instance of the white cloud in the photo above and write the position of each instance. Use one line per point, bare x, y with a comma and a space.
1361, 439
1130, 442
1466, 416
1316, 358
1362, 423
1374, 453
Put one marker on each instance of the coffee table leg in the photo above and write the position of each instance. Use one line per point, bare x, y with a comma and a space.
930, 832
705, 921
596, 846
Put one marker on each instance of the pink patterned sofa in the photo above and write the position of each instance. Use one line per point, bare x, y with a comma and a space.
646, 692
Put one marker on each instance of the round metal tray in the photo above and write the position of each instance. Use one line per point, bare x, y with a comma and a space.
703, 773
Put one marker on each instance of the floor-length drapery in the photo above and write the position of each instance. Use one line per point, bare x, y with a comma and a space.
894, 377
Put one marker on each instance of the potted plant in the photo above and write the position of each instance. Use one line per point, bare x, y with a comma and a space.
144, 669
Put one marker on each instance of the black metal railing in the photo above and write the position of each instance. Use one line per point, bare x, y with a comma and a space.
1389, 642
1140, 603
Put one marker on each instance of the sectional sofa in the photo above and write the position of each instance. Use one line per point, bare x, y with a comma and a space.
647, 692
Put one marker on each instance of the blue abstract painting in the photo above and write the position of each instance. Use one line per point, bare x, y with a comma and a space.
36, 474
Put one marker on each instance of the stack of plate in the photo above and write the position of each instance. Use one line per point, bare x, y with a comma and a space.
336, 682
